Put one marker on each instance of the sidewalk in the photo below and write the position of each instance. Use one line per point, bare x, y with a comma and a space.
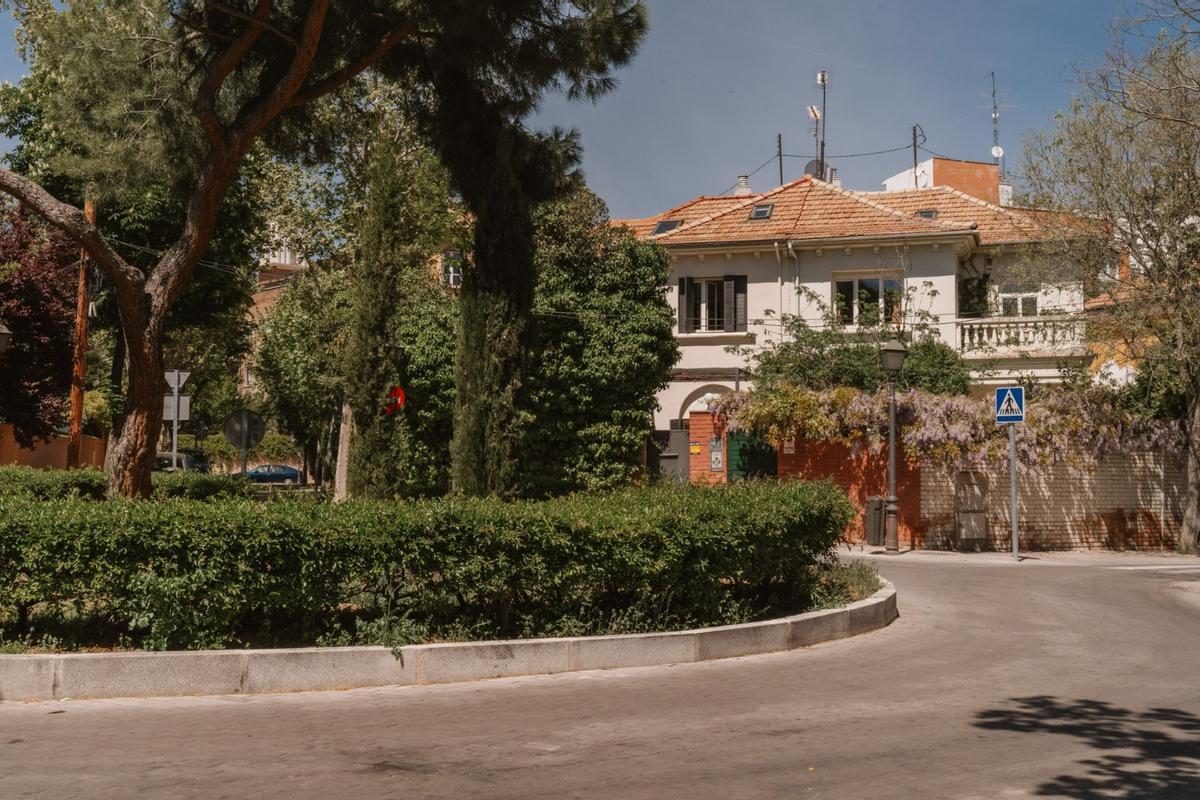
1129, 559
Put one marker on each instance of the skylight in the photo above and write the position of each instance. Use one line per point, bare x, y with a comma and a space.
928, 213
762, 211
665, 226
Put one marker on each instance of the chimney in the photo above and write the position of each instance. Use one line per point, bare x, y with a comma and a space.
743, 186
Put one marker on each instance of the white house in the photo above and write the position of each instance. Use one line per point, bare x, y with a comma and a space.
740, 262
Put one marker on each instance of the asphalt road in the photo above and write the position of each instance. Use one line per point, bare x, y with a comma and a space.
1060, 677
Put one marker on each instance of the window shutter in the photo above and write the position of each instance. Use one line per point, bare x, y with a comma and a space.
685, 289
739, 290
730, 304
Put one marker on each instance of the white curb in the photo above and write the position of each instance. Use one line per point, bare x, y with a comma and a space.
216, 672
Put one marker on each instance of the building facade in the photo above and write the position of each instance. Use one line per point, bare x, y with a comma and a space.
742, 263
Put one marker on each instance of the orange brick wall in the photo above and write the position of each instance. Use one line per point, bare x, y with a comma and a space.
861, 476
702, 428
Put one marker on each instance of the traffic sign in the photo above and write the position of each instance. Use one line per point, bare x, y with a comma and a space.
1010, 404
244, 429
185, 408
176, 378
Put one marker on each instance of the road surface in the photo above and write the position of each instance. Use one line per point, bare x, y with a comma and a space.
1064, 676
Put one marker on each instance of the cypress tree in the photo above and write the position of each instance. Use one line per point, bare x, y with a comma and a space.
404, 326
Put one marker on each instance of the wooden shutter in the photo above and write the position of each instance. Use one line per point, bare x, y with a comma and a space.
739, 291
685, 290
730, 304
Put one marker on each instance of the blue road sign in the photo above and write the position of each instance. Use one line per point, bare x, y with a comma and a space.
1010, 404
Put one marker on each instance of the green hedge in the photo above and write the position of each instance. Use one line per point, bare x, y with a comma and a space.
49, 484
185, 574
91, 484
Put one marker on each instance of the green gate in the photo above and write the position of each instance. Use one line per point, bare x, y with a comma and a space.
749, 456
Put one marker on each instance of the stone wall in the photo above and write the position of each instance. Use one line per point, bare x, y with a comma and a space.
1133, 501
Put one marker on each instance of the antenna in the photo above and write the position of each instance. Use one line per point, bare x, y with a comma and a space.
997, 150
823, 82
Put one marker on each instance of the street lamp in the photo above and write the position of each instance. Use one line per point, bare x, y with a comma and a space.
892, 354
5, 337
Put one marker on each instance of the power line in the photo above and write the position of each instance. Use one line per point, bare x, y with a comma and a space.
857, 155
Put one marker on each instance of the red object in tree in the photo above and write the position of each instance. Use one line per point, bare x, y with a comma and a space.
395, 401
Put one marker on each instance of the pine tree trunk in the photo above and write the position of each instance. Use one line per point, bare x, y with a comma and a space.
1189, 531
496, 301
131, 458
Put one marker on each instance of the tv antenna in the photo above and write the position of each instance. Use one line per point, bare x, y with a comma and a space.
820, 120
997, 150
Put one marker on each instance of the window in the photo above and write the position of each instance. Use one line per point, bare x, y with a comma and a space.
712, 304
928, 213
868, 301
1017, 300
762, 211
665, 226
249, 374
452, 268
707, 305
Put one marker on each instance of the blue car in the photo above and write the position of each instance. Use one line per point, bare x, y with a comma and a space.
274, 473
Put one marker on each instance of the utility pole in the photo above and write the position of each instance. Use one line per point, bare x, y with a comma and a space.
79, 373
779, 155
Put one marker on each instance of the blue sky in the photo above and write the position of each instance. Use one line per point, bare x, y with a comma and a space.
715, 80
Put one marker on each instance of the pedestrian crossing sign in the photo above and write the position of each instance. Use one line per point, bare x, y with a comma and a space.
1010, 404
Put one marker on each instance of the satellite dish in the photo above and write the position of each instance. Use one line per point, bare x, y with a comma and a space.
814, 168
997, 151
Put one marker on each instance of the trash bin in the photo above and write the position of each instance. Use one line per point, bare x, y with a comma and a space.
873, 521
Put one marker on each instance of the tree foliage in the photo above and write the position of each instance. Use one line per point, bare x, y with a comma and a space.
1125, 160
603, 347
301, 357
190, 86
38, 266
405, 326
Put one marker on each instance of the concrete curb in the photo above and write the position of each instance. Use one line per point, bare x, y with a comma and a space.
217, 672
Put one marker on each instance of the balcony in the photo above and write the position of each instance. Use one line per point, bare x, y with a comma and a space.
1013, 336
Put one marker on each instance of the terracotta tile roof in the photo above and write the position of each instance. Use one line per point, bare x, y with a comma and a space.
996, 224
803, 209
688, 212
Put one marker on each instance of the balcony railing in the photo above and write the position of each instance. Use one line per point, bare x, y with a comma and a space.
1020, 335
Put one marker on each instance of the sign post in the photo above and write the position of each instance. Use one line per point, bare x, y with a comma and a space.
175, 379
244, 429
1010, 410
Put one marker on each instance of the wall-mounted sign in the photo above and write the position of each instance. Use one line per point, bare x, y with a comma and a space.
789, 447
694, 448
716, 456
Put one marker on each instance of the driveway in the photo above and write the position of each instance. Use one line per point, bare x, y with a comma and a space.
1065, 676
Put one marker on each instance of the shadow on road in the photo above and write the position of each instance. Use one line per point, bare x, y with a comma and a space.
1139, 754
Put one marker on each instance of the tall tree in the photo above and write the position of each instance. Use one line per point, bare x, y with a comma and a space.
1125, 158
195, 83
37, 303
404, 325
603, 347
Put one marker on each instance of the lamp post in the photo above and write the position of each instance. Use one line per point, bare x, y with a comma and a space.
5, 337
892, 354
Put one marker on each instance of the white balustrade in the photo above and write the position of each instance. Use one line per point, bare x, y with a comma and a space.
1020, 334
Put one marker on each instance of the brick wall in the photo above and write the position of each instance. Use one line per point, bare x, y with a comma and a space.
861, 476
703, 427
1133, 501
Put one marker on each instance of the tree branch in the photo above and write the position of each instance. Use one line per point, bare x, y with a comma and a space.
226, 62
256, 115
273, 29
347, 73
127, 279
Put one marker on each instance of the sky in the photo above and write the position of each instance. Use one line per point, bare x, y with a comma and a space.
715, 80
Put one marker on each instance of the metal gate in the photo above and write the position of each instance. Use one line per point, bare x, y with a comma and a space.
672, 457
970, 508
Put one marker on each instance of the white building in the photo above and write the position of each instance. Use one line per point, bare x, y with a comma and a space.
741, 262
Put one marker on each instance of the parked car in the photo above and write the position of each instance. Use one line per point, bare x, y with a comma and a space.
188, 461
274, 473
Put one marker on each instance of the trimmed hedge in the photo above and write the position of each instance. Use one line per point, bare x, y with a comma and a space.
91, 484
50, 484
185, 574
